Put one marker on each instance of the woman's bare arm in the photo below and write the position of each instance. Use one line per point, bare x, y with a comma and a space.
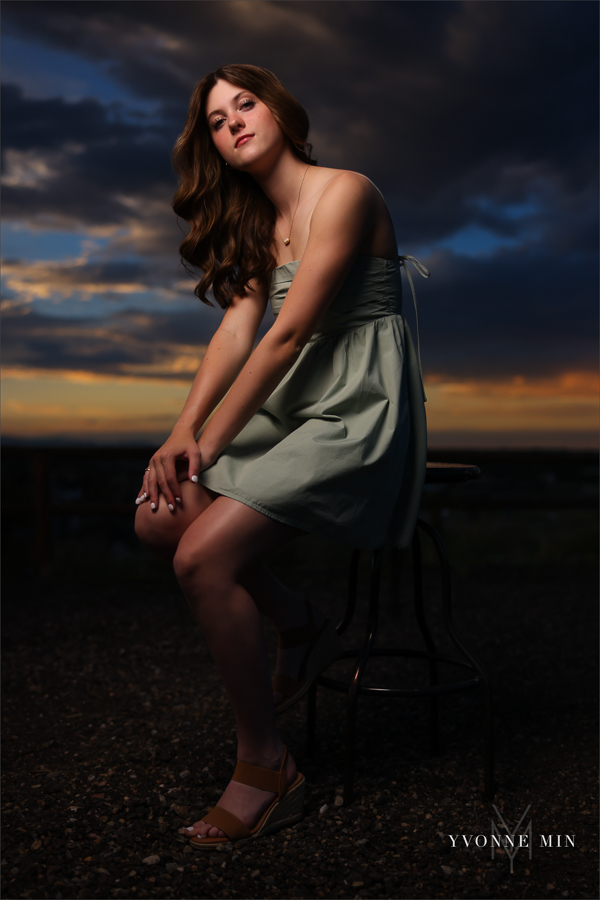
344, 215
225, 356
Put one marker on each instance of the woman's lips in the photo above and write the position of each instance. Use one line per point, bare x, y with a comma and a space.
243, 140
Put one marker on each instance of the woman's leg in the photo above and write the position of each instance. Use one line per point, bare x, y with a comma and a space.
214, 552
286, 610
160, 531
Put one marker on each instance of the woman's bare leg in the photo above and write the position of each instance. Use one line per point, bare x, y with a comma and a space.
160, 530
211, 556
286, 610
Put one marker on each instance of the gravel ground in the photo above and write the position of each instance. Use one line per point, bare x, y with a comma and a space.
117, 734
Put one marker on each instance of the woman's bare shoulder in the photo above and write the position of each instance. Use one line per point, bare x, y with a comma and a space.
346, 178
346, 193
351, 200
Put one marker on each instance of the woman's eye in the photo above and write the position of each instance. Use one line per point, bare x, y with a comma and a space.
247, 104
216, 123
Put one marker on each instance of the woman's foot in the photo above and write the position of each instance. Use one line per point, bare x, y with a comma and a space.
289, 662
245, 802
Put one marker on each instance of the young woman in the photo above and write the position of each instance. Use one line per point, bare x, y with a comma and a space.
322, 427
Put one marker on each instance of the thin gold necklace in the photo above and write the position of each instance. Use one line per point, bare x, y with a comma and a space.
289, 237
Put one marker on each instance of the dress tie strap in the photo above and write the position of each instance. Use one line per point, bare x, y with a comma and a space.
403, 260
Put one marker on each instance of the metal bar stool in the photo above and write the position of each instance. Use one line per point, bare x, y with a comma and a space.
437, 473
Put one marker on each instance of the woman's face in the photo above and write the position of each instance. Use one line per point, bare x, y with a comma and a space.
242, 127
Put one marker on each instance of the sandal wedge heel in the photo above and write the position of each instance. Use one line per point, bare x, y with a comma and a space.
287, 808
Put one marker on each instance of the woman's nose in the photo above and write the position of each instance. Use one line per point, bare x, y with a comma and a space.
236, 122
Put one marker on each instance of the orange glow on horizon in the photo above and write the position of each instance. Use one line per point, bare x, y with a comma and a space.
567, 384
38, 403
178, 370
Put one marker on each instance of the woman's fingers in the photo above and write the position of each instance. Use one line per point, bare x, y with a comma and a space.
165, 471
172, 491
144, 493
156, 482
163, 479
194, 463
154, 477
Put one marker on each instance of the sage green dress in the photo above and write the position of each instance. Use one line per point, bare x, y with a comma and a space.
339, 447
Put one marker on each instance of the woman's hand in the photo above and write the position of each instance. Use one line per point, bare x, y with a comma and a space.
227, 352
163, 475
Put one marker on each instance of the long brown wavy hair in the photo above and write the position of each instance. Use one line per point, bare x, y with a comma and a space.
231, 219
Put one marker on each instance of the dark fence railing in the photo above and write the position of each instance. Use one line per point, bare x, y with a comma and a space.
551, 480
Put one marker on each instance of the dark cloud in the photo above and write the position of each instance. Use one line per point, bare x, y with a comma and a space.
51, 124
465, 114
64, 278
517, 314
93, 160
127, 343
431, 89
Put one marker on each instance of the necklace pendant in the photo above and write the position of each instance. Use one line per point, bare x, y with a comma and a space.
286, 241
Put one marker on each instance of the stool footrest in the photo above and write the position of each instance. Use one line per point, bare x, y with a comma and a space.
344, 686
407, 652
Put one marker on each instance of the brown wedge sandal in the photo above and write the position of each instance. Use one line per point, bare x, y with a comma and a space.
324, 648
285, 810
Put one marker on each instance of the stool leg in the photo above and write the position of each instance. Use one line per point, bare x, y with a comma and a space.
311, 721
488, 729
434, 706
354, 687
352, 592
311, 712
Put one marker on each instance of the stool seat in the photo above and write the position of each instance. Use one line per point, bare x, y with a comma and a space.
450, 473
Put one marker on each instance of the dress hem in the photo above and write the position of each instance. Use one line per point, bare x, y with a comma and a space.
356, 544
253, 505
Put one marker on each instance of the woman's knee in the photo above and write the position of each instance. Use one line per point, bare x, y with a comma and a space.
155, 529
196, 564
188, 563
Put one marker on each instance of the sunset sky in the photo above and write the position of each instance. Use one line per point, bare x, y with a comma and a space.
477, 120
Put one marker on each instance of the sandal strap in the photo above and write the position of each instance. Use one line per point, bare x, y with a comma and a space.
233, 827
286, 685
304, 634
260, 777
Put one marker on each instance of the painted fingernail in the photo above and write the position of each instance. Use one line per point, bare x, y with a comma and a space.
144, 495
153, 506
177, 499
191, 828
138, 500
171, 507
195, 479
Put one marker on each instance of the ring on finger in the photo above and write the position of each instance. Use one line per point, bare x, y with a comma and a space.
147, 470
